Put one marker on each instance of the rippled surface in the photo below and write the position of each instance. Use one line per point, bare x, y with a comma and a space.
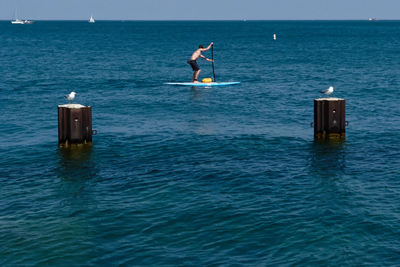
181, 176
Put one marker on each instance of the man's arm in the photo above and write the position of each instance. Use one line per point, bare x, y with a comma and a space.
203, 57
208, 47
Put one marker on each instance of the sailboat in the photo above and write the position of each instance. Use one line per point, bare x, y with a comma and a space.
20, 21
16, 21
91, 20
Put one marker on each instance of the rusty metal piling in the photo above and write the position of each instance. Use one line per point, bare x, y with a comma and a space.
330, 119
74, 125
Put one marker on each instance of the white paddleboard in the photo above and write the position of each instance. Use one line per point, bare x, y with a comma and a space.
205, 84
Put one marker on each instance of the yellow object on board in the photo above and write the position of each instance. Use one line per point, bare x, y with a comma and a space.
206, 80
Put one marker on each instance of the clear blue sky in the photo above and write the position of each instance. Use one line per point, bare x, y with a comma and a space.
199, 10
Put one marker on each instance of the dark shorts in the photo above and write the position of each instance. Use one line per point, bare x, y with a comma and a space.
194, 65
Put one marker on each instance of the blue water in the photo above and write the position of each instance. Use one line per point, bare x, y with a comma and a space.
207, 176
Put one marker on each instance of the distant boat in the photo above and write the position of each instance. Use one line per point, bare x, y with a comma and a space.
20, 21
372, 19
91, 20
17, 21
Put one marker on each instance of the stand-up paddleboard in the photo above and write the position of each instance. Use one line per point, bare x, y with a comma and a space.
205, 84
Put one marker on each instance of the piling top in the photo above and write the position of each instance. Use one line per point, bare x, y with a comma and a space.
71, 106
329, 99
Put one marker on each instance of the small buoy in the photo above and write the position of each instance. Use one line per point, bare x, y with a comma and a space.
274, 36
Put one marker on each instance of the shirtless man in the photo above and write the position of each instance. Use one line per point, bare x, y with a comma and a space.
192, 62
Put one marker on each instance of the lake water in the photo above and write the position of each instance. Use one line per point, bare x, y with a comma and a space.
208, 176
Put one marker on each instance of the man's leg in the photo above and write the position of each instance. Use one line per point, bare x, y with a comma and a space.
196, 75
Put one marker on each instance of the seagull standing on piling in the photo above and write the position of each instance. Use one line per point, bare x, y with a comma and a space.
70, 96
328, 91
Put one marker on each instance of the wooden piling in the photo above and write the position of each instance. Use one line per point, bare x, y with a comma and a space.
329, 118
74, 125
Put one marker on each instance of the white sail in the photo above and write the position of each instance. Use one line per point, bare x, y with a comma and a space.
91, 20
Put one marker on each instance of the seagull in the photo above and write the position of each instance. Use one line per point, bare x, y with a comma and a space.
327, 91
70, 96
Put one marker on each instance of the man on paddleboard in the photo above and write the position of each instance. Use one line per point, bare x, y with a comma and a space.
192, 62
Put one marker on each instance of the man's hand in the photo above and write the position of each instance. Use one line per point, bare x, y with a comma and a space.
208, 47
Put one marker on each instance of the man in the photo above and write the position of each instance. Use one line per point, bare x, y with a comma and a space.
192, 62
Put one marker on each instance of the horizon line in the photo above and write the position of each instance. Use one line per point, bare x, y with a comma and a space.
374, 19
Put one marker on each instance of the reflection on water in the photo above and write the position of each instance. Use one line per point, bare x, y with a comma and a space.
328, 157
75, 170
196, 93
76, 163
75, 199
199, 120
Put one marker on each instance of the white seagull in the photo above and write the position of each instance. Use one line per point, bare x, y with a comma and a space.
328, 91
70, 96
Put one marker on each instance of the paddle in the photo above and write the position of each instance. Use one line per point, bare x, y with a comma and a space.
212, 57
